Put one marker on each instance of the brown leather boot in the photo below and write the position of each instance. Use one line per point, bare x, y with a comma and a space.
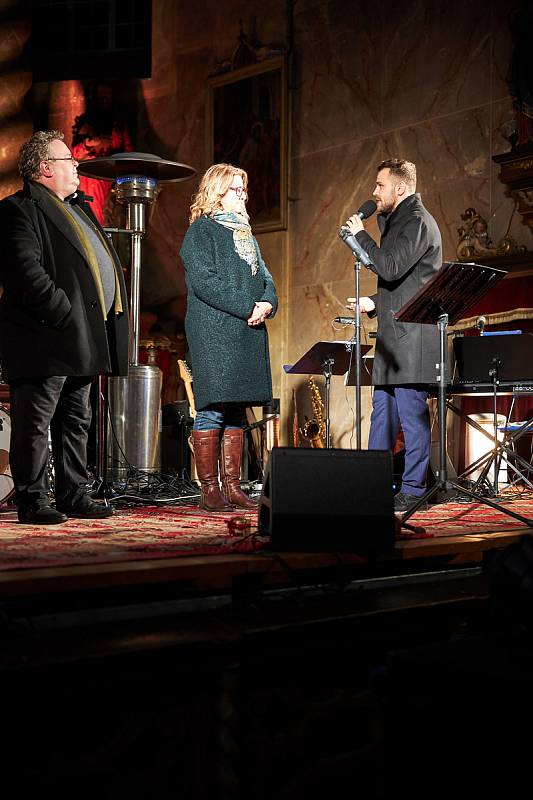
230, 468
206, 453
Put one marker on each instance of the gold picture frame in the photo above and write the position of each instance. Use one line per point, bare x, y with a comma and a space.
247, 127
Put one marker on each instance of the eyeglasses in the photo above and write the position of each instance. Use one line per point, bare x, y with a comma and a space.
240, 191
64, 158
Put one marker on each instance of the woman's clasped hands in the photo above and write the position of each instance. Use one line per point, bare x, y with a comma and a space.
260, 312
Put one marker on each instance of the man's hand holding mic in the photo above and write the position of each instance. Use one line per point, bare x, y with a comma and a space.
355, 224
366, 304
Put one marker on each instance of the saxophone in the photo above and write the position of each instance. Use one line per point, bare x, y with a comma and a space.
315, 429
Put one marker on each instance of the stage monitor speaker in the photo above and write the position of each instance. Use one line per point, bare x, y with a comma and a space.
328, 500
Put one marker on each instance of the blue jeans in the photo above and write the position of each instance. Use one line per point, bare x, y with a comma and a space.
220, 416
393, 406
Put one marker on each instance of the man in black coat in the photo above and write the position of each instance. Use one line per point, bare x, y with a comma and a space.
409, 255
63, 320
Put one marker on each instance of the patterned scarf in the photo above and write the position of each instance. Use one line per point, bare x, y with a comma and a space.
243, 239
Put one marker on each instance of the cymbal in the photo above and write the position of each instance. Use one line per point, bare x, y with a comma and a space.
145, 164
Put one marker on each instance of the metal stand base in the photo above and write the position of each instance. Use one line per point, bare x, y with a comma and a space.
500, 450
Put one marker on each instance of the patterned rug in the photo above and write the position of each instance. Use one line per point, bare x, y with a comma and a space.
460, 519
172, 531
130, 535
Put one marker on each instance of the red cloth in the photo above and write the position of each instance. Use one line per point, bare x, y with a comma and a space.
99, 147
505, 296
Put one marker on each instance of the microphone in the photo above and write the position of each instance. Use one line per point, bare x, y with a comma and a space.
366, 210
358, 250
480, 324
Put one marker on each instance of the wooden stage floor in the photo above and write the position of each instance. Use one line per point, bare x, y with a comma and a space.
200, 575
111, 662
403, 650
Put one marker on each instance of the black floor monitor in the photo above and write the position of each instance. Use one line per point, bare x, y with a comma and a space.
329, 500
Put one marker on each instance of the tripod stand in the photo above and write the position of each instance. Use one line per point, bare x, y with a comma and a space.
454, 289
493, 458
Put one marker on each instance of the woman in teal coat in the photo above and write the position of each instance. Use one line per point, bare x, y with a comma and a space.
230, 295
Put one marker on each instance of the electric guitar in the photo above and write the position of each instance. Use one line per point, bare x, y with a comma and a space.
186, 377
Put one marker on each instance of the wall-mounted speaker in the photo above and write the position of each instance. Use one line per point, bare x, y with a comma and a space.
328, 500
83, 40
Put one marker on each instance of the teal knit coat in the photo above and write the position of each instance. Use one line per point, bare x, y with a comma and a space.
230, 359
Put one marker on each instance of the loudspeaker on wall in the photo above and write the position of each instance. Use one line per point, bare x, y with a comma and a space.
328, 500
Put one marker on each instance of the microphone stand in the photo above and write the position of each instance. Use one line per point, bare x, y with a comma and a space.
360, 257
356, 339
103, 486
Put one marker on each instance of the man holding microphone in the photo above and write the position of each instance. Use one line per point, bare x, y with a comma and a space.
408, 256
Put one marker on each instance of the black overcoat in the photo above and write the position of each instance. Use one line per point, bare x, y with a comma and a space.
230, 359
51, 322
410, 253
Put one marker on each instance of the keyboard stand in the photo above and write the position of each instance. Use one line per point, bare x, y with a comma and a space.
500, 449
509, 440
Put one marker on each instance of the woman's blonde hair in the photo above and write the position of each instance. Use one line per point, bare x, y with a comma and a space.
213, 186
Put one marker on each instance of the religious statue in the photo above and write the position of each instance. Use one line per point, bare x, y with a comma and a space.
474, 240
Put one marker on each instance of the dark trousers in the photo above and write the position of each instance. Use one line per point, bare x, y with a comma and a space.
395, 406
61, 404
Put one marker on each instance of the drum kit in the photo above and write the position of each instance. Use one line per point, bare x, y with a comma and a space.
131, 403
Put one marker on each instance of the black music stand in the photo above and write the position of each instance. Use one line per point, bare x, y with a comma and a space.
327, 359
502, 358
350, 379
444, 299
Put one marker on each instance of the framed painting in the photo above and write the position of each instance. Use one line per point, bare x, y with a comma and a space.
247, 127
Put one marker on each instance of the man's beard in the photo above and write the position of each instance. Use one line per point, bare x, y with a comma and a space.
385, 205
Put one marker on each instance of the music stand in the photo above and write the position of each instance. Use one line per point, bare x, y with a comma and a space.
327, 359
350, 379
445, 299
504, 357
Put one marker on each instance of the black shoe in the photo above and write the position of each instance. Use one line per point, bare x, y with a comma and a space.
403, 502
41, 515
85, 508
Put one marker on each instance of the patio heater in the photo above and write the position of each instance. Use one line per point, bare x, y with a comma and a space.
134, 401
